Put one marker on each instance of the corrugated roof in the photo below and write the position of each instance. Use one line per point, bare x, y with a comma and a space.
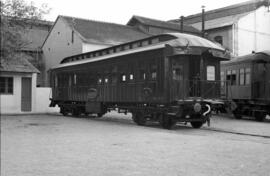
225, 11
162, 24
18, 63
103, 32
263, 56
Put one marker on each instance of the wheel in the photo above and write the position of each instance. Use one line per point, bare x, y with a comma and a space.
139, 118
196, 124
99, 115
63, 111
166, 121
75, 112
237, 114
260, 116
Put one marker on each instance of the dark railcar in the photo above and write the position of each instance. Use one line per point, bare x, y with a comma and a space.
247, 85
169, 78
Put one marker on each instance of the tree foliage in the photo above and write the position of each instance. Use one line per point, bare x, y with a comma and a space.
15, 16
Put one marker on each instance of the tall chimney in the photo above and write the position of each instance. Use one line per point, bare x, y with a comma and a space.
203, 20
182, 23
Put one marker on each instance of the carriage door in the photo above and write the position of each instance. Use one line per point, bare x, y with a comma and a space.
26, 96
260, 81
177, 88
194, 76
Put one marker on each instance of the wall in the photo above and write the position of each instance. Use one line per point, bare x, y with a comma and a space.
254, 32
59, 45
226, 33
43, 95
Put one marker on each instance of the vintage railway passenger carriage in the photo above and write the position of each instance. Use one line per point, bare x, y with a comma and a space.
247, 85
168, 78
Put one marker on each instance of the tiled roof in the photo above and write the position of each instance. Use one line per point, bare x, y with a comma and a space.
103, 32
225, 11
18, 63
162, 24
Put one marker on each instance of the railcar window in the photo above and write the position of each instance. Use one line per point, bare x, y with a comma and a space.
178, 73
231, 77
144, 43
142, 75
124, 78
106, 80
131, 77
99, 80
222, 79
242, 76
56, 81
75, 79
247, 76
211, 73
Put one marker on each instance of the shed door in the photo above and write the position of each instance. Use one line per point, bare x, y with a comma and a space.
26, 100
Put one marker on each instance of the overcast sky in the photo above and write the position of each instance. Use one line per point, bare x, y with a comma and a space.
120, 11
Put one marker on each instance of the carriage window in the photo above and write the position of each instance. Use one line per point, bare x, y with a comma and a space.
211, 73
142, 75
144, 43
155, 40
231, 77
131, 77
106, 80
242, 76
99, 80
222, 79
75, 79
247, 76
56, 81
69, 80
124, 78
177, 74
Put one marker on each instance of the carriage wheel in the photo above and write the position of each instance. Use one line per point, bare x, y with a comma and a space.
99, 115
63, 111
196, 124
237, 114
166, 121
260, 116
139, 118
75, 112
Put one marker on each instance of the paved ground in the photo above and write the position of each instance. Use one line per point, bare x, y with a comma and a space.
41, 145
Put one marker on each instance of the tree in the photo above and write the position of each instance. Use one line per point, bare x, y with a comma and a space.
15, 16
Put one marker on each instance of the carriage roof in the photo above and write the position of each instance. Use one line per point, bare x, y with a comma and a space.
258, 57
178, 40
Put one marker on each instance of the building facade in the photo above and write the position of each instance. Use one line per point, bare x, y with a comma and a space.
241, 28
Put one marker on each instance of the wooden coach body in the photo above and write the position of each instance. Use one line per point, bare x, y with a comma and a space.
154, 74
248, 84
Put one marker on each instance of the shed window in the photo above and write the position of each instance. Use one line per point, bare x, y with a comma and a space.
6, 85
211, 73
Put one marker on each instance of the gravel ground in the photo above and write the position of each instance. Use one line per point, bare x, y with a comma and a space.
53, 145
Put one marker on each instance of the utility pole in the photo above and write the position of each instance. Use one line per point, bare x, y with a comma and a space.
203, 20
